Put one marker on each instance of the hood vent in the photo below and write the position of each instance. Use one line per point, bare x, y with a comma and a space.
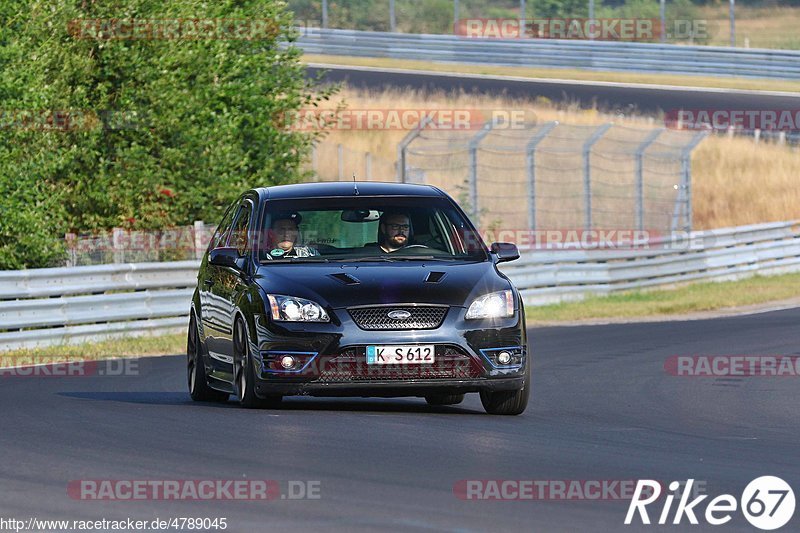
347, 279
434, 277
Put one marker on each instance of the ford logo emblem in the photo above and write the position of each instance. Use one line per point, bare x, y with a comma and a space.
399, 314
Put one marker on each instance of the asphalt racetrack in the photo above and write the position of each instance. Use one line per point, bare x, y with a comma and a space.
603, 408
617, 98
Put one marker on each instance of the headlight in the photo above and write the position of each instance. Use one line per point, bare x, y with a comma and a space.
492, 305
291, 309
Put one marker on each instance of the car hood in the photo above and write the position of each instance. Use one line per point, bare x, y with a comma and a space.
348, 284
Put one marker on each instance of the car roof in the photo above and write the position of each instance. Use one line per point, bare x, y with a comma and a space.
346, 188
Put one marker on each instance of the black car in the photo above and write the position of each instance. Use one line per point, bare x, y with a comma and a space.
355, 289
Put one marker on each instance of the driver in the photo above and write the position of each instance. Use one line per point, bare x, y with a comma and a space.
284, 233
394, 231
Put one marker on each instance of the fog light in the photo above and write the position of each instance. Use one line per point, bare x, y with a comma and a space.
287, 362
504, 358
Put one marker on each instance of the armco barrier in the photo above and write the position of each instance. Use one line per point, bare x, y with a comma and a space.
593, 55
79, 304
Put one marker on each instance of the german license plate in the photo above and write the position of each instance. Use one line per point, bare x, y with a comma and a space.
420, 354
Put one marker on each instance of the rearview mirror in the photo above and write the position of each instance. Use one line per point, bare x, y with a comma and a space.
227, 257
505, 251
360, 215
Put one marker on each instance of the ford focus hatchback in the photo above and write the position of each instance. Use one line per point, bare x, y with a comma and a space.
355, 289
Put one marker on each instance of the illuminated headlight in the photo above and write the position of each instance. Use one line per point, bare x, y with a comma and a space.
291, 309
492, 305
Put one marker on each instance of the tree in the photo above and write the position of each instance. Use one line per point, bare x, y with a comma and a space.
141, 114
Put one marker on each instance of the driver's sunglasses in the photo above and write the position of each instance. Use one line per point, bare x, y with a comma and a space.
396, 227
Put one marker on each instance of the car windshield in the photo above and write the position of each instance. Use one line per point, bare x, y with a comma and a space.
366, 229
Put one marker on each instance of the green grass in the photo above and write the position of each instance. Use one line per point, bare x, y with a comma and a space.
124, 347
706, 296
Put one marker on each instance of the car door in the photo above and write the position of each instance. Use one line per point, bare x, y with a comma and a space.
229, 282
213, 310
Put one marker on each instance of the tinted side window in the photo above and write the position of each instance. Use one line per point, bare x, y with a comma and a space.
238, 238
224, 228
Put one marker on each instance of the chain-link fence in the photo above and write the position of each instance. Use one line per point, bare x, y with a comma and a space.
336, 162
558, 176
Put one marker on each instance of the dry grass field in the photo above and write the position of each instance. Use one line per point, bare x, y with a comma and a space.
735, 180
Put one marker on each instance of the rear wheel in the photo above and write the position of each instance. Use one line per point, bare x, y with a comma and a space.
196, 369
511, 402
245, 376
444, 399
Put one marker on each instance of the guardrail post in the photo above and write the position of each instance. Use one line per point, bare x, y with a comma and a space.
325, 13
650, 139
473, 167
402, 171
530, 164
587, 172
392, 17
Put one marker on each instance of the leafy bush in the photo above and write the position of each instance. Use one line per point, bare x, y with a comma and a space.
153, 132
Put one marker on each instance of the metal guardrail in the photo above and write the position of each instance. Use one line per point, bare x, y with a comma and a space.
50, 306
80, 304
593, 55
546, 277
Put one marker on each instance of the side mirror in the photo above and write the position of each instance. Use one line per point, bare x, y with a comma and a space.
226, 257
505, 251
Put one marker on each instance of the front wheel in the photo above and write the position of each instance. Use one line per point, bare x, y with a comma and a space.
245, 377
196, 369
511, 402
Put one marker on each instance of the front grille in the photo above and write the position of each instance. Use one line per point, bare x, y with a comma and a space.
351, 365
377, 317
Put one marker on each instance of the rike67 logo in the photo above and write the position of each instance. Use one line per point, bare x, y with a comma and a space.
767, 503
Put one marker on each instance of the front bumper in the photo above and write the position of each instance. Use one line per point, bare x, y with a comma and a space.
331, 357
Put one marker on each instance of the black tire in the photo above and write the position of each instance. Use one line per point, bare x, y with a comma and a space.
196, 369
511, 402
444, 399
245, 377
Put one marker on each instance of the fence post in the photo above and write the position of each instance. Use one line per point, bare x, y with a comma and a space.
650, 139
401, 148
117, 237
530, 159
314, 156
199, 229
587, 172
473, 167
686, 176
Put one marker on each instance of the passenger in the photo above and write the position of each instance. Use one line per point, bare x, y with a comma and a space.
284, 232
